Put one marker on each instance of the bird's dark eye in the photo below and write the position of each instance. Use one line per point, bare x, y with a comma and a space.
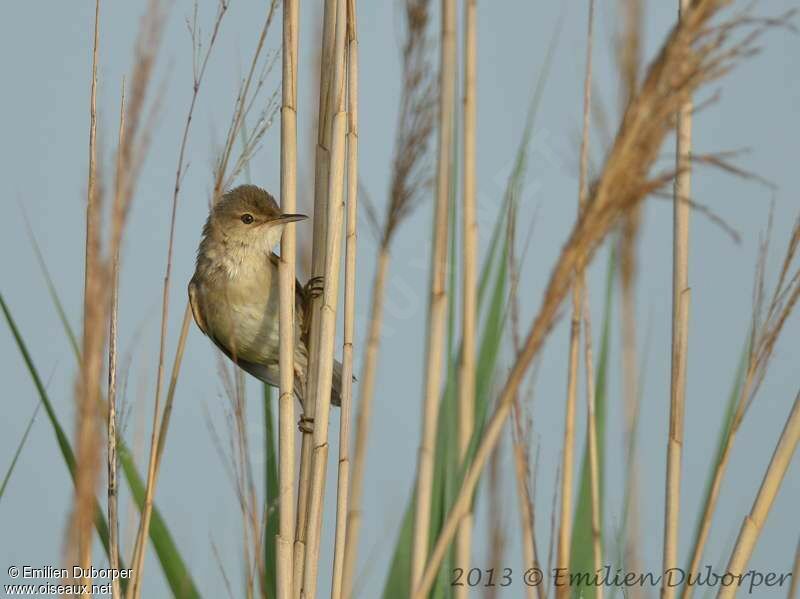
247, 219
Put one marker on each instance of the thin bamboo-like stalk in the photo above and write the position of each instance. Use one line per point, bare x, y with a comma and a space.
754, 521
520, 437
629, 61
327, 71
466, 399
410, 183
764, 336
321, 349
286, 271
568, 463
342, 499
437, 307
621, 185
87, 390
113, 512
568, 459
578, 292
680, 333
160, 422
592, 442
591, 420
367, 384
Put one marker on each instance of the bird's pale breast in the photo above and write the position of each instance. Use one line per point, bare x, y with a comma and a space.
241, 308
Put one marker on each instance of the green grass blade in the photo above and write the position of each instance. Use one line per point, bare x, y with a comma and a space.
173, 566
51, 289
582, 556
397, 582
724, 432
494, 276
7, 477
271, 495
61, 438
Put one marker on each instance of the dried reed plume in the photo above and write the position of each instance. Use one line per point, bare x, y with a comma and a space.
161, 421
101, 268
693, 54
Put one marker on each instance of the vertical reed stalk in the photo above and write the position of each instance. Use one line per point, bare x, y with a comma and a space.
342, 498
592, 441
466, 400
113, 512
773, 477
764, 334
286, 271
437, 307
321, 170
87, 387
591, 420
568, 460
680, 332
623, 183
629, 60
161, 422
579, 288
327, 250
409, 185
364, 418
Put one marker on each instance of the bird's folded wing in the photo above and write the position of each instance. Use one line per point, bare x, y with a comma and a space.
194, 302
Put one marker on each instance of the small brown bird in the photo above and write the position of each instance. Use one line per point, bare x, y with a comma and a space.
234, 290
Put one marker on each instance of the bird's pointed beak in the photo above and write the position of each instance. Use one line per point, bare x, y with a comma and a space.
289, 218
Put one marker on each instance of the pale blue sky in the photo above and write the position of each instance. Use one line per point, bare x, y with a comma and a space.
45, 58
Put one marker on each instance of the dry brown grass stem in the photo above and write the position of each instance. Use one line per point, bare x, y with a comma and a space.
681, 296
773, 477
592, 443
693, 53
97, 302
466, 386
286, 269
629, 58
87, 387
244, 101
568, 459
591, 417
338, 587
520, 432
113, 512
768, 321
437, 306
148, 48
568, 450
410, 182
327, 257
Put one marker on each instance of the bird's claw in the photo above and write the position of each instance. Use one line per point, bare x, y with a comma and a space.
315, 286
305, 424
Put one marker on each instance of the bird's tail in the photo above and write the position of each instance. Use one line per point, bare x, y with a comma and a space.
336, 385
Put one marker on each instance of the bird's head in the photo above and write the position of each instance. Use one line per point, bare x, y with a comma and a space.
249, 216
